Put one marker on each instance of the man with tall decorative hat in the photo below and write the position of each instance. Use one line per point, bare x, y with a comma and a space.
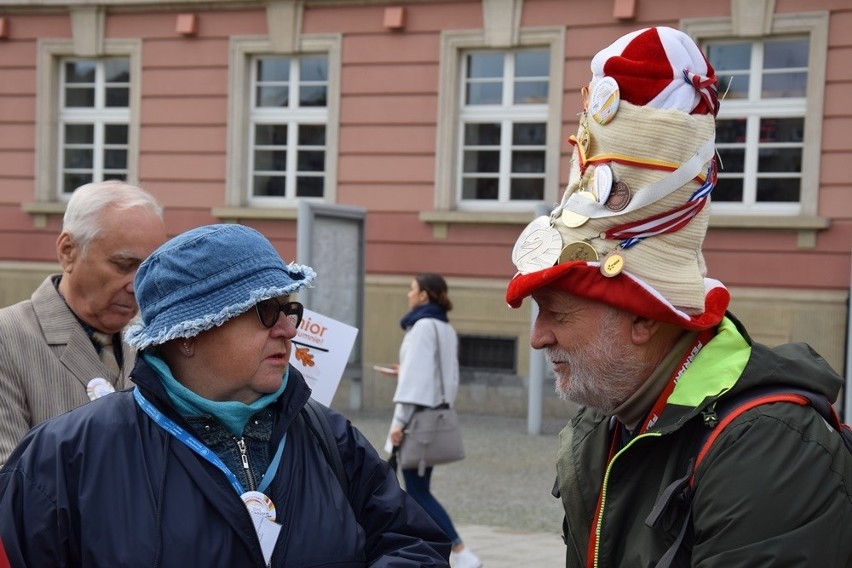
641, 339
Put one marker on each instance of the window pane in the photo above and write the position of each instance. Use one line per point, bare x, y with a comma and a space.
480, 188
313, 96
115, 133
269, 186
482, 134
784, 85
728, 189
80, 71
730, 56
775, 190
476, 161
532, 92
782, 130
118, 97
532, 134
270, 160
79, 97
272, 97
532, 64
527, 189
528, 162
779, 160
311, 161
115, 159
270, 134
313, 69
731, 130
312, 186
71, 181
312, 135
731, 159
273, 69
117, 70
79, 134
484, 93
733, 87
785, 54
484, 65
79, 158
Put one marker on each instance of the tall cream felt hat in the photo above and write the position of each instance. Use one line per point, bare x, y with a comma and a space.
630, 226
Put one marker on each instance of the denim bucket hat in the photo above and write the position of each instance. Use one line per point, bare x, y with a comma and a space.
204, 277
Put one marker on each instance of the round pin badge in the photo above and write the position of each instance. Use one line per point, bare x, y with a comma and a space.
573, 220
98, 387
619, 197
602, 182
578, 250
612, 264
259, 505
537, 246
604, 100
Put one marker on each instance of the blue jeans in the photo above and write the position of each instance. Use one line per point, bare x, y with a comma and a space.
418, 488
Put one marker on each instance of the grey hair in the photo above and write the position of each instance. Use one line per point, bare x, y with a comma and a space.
82, 218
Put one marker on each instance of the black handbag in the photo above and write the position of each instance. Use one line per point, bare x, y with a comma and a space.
432, 436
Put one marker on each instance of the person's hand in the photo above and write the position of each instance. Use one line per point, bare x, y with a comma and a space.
396, 435
390, 371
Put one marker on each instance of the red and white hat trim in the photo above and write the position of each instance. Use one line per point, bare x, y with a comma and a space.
624, 291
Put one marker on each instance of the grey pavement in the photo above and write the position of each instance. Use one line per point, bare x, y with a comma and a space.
499, 496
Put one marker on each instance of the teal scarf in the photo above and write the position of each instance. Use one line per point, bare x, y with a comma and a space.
232, 413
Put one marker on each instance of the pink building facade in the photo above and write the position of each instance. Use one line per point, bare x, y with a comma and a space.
447, 121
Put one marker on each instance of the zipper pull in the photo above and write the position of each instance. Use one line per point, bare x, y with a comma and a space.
243, 456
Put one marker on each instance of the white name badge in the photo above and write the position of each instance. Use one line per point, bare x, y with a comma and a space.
262, 511
99, 387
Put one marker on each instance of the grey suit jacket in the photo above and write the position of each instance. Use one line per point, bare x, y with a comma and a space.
46, 361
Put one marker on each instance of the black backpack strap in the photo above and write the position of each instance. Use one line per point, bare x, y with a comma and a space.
317, 422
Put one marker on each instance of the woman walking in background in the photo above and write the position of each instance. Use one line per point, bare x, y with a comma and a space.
428, 354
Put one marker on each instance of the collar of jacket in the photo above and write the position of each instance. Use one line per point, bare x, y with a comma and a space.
285, 409
715, 370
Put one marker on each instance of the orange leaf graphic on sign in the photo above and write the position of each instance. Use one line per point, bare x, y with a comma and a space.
303, 355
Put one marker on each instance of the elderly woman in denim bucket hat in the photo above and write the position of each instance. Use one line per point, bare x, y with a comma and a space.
217, 457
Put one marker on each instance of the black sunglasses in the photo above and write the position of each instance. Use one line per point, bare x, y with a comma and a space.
269, 310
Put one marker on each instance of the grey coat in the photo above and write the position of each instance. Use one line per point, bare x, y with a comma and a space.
46, 361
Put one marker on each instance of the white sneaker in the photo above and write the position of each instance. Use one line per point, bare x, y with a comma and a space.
465, 559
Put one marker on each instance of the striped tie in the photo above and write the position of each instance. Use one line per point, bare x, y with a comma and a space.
107, 352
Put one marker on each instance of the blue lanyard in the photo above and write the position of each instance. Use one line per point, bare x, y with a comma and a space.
193, 444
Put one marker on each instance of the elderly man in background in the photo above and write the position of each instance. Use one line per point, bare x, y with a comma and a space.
63, 347
640, 338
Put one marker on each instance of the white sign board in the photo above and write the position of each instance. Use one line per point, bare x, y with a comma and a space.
320, 352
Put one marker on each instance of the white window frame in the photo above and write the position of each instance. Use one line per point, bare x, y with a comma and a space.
455, 45
98, 116
507, 114
242, 115
49, 114
813, 25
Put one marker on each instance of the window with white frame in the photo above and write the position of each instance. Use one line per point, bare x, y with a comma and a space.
288, 119
94, 121
769, 127
503, 122
760, 128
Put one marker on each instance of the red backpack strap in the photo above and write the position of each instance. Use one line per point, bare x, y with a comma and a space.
740, 407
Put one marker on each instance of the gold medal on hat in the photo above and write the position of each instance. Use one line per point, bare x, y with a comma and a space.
578, 250
612, 264
574, 220
537, 247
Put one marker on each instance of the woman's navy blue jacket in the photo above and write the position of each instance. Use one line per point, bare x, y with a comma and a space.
104, 485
